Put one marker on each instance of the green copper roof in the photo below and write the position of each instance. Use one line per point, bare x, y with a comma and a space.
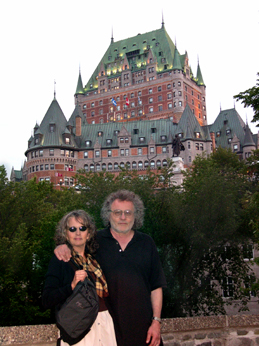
248, 140
136, 50
199, 76
177, 60
79, 88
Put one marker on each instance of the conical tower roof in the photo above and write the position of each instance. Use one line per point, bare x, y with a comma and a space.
177, 61
199, 76
79, 88
248, 140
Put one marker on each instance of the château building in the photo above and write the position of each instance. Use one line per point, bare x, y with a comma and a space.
141, 96
142, 77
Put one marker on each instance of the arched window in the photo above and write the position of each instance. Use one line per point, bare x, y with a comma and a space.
91, 167
98, 167
158, 163
109, 166
146, 164
134, 165
116, 165
86, 168
140, 165
164, 163
104, 166
152, 164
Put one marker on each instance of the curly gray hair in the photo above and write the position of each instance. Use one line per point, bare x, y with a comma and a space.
124, 195
86, 220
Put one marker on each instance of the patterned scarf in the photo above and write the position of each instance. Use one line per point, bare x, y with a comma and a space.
93, 267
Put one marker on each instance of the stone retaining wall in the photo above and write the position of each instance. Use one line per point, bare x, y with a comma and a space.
239, 330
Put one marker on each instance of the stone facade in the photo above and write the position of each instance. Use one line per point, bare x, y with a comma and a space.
203, 331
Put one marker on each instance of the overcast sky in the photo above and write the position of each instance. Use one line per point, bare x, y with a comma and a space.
47, 41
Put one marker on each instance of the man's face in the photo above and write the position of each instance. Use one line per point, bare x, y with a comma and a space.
122, 223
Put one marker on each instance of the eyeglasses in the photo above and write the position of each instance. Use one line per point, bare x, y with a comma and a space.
118, 213
81, 228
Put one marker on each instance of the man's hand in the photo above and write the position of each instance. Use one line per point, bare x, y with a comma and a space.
153, 334
63, 253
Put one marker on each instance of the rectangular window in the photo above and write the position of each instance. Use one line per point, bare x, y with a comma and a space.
109, 153
41, 153
122, 152
51, 152
139, 151
52, 166
46, 167
62, 152
41, 167
152, 150
97, 153
126, 152
86, 154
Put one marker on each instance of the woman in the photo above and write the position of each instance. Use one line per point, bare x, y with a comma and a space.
78, 230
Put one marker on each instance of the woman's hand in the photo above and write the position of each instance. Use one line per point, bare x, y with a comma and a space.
80, 275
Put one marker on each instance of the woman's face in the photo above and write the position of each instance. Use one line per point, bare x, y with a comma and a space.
77, 238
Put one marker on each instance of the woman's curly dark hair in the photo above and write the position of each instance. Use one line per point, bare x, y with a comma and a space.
124, 195
86, 220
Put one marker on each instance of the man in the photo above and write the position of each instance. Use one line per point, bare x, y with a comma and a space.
132, 268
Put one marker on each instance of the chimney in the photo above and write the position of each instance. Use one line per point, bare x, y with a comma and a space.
78, 125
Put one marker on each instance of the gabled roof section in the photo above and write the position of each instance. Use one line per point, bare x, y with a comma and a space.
228, 120
77, 112
136, 47
189, 123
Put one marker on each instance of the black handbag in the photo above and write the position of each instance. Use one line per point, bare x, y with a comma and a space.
76, 316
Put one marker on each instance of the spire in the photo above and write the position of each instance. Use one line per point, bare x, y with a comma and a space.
177, 61
199, 75
163, 24
79, 88
112, 39
54, 89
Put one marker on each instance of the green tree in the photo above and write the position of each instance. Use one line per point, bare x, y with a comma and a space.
250, 98
209, 221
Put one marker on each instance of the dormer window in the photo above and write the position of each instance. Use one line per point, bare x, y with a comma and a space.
218, 134
197, 135
135, 131
100, 134
235, 147
180, 135
228, 132
163, 138
52, 127
153, 130
108, 141
116, 132
87, 144
67, 140
141, 139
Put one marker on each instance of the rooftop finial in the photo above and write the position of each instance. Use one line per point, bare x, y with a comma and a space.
163, 24
54, 89
112, 39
